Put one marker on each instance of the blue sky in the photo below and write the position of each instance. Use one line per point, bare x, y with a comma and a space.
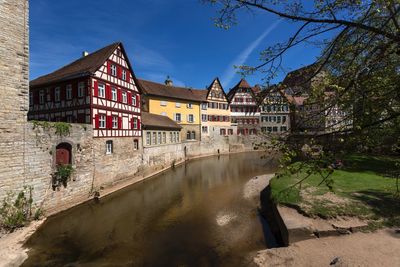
162, 37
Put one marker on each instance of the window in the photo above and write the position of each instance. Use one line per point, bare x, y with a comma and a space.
283, 119
170, 137
274, 129
113, 70
222, 132
164, 137
102, 121
154, 141
204, 129
102, 90
189, 105
148, 138
41, 97
124, 97
203, 117
68, 92
178, 105
204, 106
230, 131
134, 123
133, 100
70, 118
178, 117
81, 89
57, 94
193, 135
135, 144
115, 122
163, 114
177, 136
109, 147
124, 75
114, 93
188, 135
190, 118
283, 128
159, 137
163, 103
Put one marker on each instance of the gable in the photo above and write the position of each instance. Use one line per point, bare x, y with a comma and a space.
216, 92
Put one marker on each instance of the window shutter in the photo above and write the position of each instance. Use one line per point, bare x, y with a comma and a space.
108, 122
119, 95
96, 121
138, 101
128, 76
174, 117
96, 88
119, 72
139, 126
108, 91
119, 122
187, 118
129, 98
36, 97
75, 90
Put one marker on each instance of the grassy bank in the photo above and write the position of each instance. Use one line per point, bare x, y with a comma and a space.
365, 187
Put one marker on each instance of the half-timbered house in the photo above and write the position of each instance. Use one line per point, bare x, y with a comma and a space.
245, 114
98, 89
215, 113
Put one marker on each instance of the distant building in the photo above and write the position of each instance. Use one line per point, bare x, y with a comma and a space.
159, 130
180, 104
98, 89
245, 114
215, 113
275, 112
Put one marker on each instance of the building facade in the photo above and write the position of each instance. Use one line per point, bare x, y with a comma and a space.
180, 104
245, 114
275, 113
159, 130
215, 113
98, 89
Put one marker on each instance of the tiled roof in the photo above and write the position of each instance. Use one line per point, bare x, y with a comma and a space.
84, 66
169, 91
241, 84
153, 121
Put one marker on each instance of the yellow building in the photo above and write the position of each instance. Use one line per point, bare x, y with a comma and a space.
180, 104
215, 113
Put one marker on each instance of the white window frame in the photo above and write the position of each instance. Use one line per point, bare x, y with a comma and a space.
123, 75
41, 97
124, 97
177, 137
190, 118
133, 100
109, 147
114, 122
101, 90
176, 117
113, 70
68, 92
189, 105
163, 103
81, 89
204, 106
148, 138
159, 140
135, 123
57, 94
135, 144
164, 137
102, 121
113, 93
177, 104
163, 113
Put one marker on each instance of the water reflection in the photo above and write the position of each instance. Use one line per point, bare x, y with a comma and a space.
169, 220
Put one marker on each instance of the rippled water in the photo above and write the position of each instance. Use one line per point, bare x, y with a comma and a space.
193, 215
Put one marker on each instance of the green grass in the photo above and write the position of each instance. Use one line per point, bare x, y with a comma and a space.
364, 182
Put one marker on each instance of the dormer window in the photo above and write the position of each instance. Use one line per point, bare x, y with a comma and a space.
113, 70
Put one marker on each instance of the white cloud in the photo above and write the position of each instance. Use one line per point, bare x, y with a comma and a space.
244, 55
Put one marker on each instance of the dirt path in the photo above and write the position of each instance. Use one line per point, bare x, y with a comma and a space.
381, 249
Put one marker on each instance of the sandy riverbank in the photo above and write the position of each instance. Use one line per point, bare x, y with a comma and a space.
380, 248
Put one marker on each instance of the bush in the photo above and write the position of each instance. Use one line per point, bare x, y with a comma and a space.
16, 211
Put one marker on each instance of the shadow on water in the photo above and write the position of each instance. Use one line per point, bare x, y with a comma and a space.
192, 215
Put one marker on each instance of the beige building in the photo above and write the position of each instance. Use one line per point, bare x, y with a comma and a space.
215, 113
159, 130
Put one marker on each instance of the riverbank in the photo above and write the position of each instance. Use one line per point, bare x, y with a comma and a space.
380, 248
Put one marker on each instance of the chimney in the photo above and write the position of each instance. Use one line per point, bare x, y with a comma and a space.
85, 53
168, 81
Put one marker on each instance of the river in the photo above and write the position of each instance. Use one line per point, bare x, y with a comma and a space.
192, 215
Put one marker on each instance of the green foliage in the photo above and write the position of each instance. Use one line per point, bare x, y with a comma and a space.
16, 211
60, 128
62, 175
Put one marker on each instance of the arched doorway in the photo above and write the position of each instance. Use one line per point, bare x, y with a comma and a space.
63, 154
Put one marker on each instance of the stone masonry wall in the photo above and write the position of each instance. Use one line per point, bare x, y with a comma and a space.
14, 75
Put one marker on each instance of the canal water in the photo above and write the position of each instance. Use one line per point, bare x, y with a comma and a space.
192, 215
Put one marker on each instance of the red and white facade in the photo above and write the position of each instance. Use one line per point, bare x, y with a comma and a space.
107, 98
115, 99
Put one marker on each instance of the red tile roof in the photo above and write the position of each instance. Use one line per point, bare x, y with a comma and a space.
154, 121
169, 91
84, 66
